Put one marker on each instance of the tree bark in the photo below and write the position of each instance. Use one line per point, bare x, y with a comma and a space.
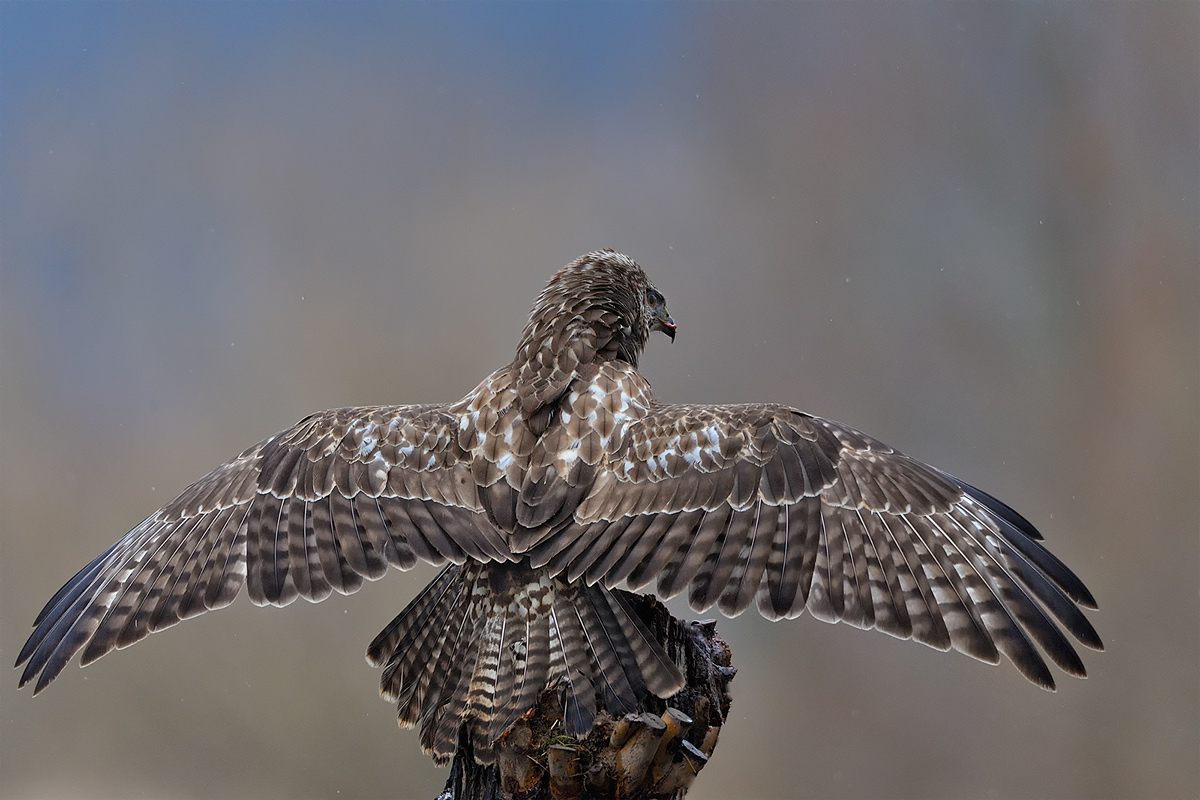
652, 753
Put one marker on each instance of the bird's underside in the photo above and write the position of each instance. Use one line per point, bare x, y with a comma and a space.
557, 479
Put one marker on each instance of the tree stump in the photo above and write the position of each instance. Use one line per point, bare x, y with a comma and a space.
652, 753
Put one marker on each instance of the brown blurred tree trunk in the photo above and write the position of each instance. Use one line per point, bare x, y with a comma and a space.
655, 752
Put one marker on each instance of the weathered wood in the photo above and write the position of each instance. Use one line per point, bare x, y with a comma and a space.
653, 753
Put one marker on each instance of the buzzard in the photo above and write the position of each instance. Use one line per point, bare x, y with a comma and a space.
556, 480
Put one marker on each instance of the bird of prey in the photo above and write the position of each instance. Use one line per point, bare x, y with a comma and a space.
557, 479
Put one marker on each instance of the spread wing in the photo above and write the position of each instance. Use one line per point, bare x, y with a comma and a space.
317, 508
765, 503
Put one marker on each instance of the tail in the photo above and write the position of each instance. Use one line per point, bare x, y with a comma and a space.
480, 643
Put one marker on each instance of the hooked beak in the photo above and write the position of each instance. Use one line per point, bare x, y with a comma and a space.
662, 322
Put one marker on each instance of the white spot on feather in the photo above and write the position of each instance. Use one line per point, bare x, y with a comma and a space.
368, 440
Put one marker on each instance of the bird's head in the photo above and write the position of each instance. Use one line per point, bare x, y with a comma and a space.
602, 301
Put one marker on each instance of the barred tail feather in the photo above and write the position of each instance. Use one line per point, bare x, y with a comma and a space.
478, 646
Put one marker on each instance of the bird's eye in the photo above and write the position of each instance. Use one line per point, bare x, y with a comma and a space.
654, 298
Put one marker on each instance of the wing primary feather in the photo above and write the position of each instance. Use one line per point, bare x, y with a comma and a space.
1026, 615
683, 565
147, 602
887, 596
399, 552
67, 635
333, 565
463, 540
611, 549
71, 590
441, 545
599, 546
637, 550
997, 620
371, 532
66, 597
747, 577
997, 507
127, 592
1044, 560
1046, 588
717, 565
556, 553
965, 629
185, 583
674, 541
231, 559
922, 605
825, 594
883, 596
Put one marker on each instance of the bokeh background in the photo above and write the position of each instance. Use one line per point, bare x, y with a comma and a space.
969, 229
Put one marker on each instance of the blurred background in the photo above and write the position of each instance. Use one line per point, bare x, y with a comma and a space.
970, 230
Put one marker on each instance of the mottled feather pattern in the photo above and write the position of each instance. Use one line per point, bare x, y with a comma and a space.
557, 480
333, 500
801, 513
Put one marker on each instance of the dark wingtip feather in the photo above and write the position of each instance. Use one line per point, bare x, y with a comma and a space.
71, 587
1028, 540
1030, 664
1049, 685
1048, 564
1000, 509
26, 676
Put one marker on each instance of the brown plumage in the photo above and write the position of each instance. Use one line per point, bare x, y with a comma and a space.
556, 480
